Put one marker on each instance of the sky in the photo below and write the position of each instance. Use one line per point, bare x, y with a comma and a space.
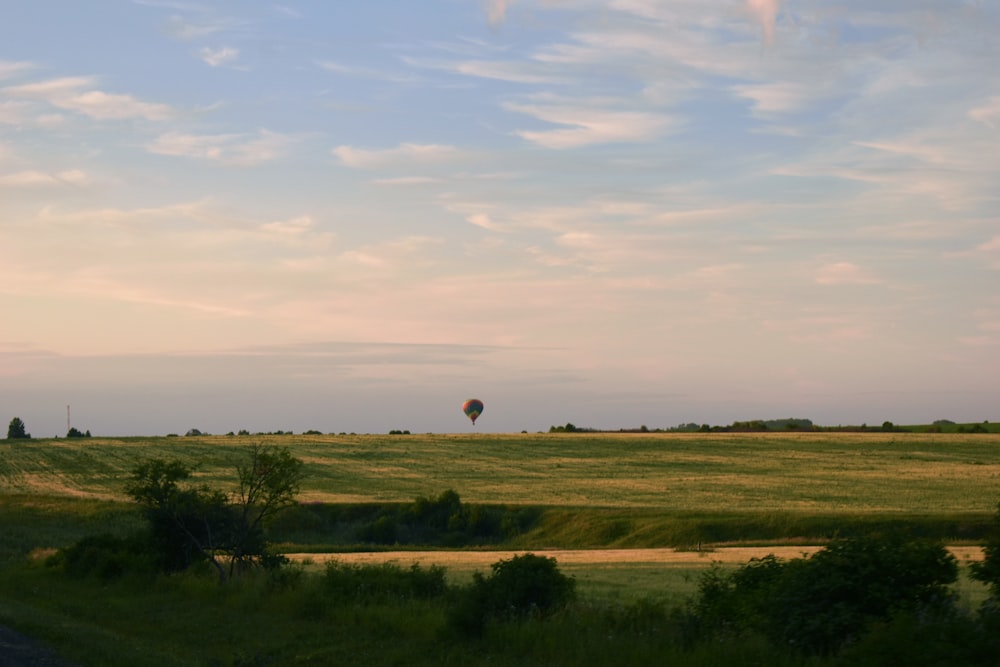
353, 216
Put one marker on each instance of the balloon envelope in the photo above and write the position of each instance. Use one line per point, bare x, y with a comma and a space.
472, 408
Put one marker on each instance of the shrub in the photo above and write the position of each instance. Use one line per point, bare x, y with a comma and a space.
821, 603
988, 571
383, 582
526, 586
104, 556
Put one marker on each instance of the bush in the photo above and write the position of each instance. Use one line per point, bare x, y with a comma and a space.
526, 586
988, 571
104, 556
821, 603
383, 582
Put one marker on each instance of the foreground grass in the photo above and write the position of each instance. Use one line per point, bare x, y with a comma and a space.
191, 621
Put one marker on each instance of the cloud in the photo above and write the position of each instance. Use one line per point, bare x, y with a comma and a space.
290, 228
516, 72
991, 250
243, 150
989, 113
766, 13
403, 155
77, 94
180, 28
33, 179
11, 68
367, 72
844, 273
780, 96
287, 12
220, 56
406, 181
589, 126
496, 11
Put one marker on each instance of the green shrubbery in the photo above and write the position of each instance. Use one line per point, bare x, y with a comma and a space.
382, 582
440, 521
821, 603
526, 586
106, 557
875, 600
188, 524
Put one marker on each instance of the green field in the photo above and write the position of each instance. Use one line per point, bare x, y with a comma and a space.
622, 490
880, 473
587, 490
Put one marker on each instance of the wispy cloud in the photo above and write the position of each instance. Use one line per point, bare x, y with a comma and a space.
218, 57
515, 72
587, 125
184, 29
78, 94
9, 68
496, 11
988, 113
244, 150
844, 273
766, 13
36, 179
403, 155
368, 72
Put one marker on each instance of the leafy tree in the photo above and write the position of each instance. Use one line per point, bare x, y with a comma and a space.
269, 482
186, 524
189, 524
77, 433
16, 430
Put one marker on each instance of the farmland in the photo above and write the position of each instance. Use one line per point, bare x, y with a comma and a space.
824, 473
684, 500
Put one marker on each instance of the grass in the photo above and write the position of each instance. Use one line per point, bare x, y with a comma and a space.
815, 473
592, 490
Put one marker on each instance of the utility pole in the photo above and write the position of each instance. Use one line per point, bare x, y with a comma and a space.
67, 419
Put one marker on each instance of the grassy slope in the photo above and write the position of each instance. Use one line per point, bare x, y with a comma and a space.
809, 472
623, 490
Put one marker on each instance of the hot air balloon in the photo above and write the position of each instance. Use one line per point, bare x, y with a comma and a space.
472, 409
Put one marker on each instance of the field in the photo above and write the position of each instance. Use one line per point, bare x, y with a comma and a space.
815, 473
630, 516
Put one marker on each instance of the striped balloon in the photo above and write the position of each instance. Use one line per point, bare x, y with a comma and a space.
472, 409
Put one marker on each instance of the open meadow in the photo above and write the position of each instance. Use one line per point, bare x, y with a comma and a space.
825, 473
631, 517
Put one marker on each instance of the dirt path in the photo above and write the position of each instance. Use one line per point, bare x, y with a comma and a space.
17, 650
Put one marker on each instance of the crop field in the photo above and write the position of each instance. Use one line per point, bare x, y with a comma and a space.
821, 473
631, 517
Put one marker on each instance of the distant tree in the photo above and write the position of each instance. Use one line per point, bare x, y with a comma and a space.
16, 430
76, 433
193, 432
